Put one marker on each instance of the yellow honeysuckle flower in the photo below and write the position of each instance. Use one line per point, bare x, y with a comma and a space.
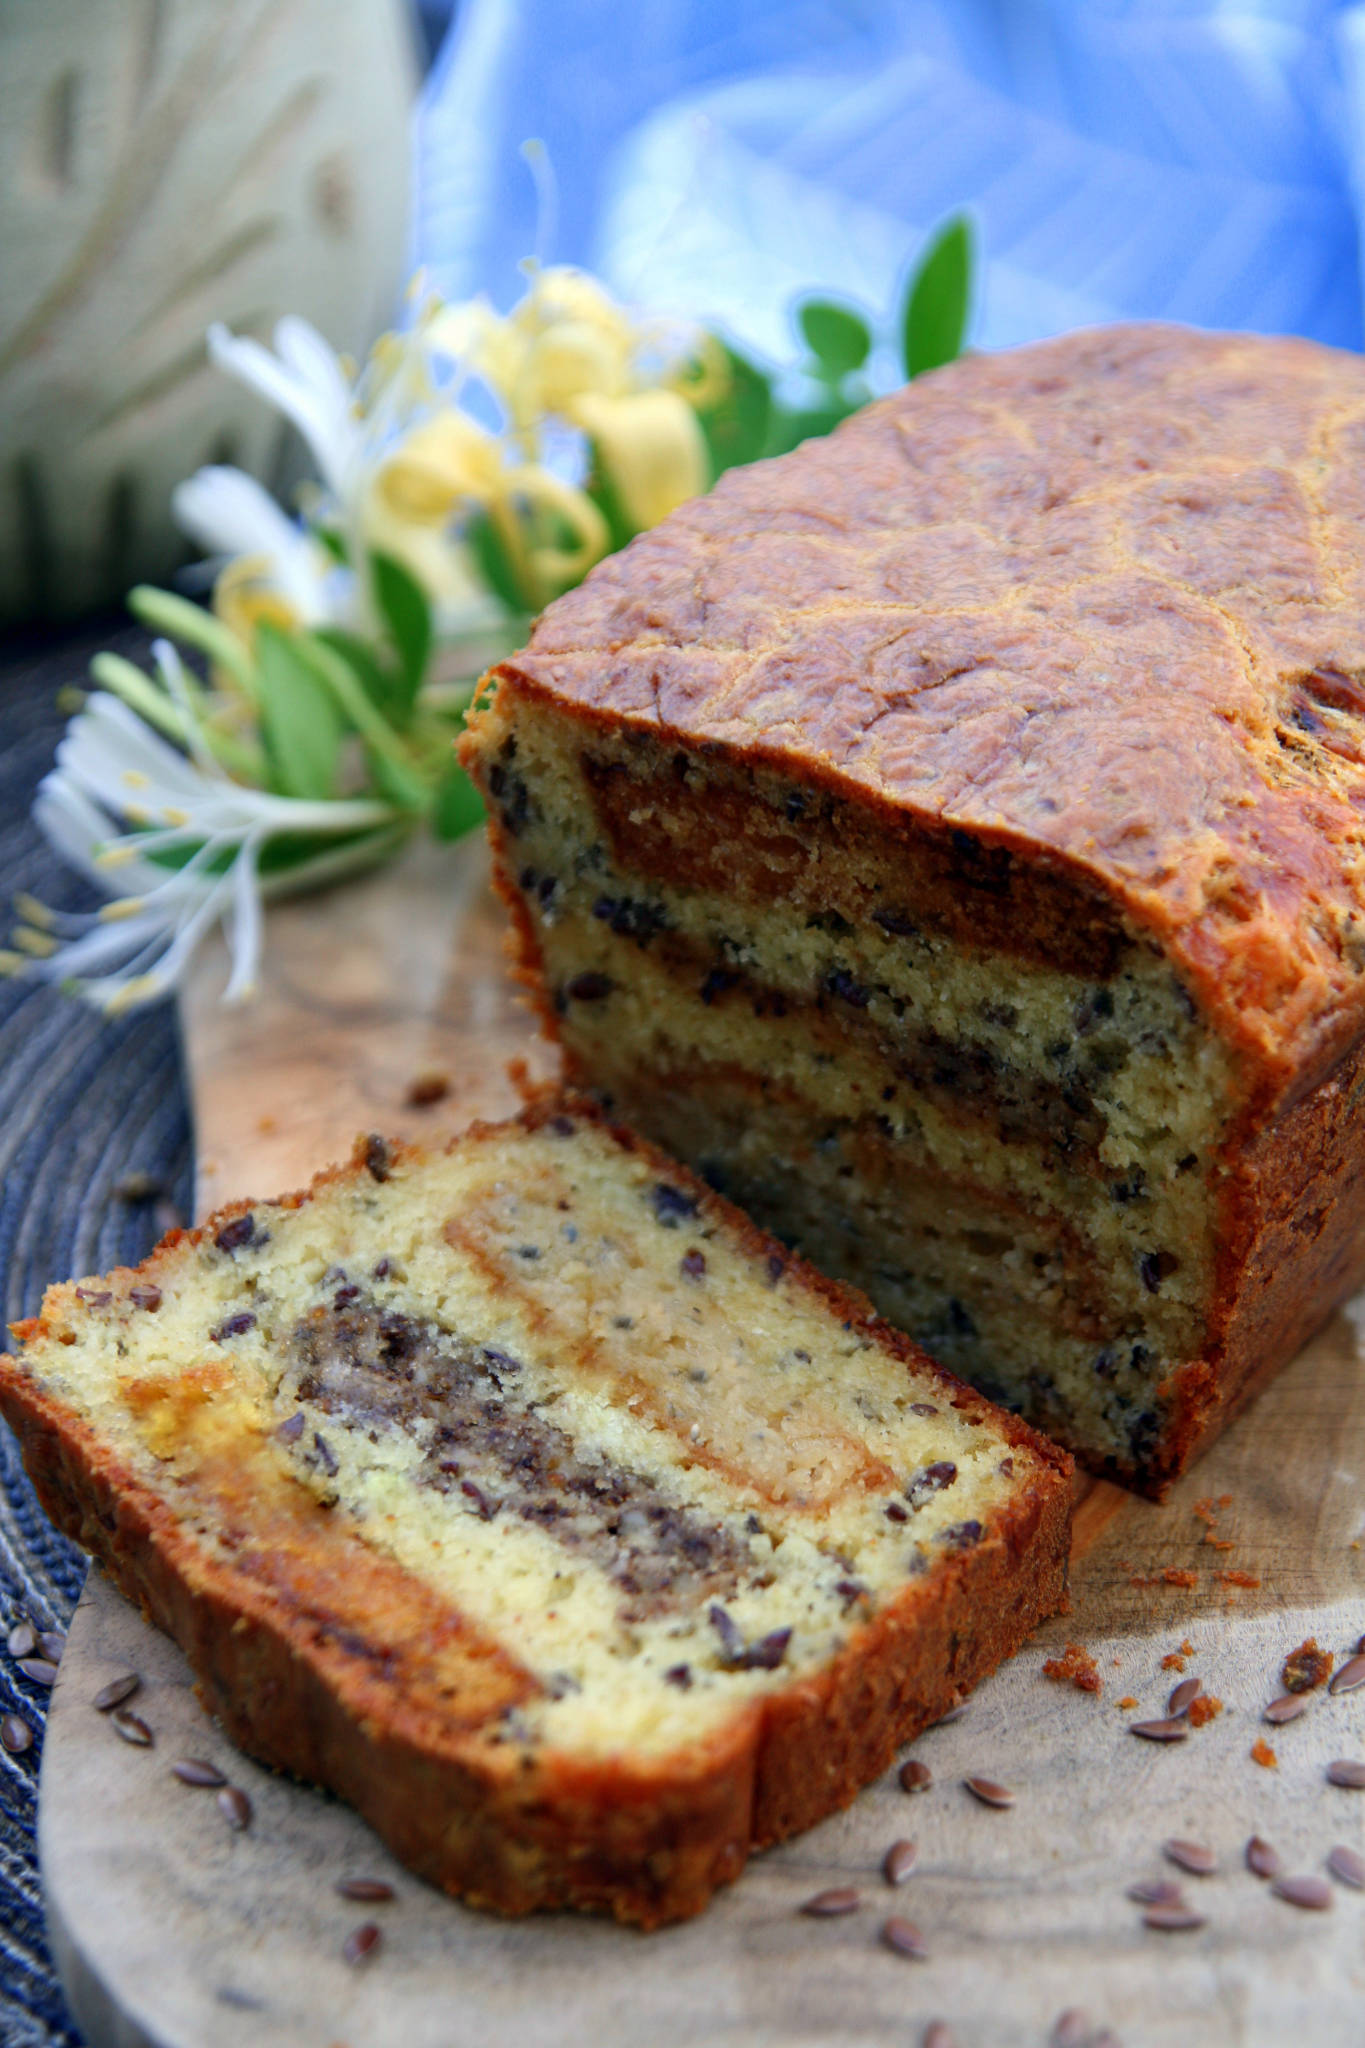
650, 450
435, 468
535, 498
245, 593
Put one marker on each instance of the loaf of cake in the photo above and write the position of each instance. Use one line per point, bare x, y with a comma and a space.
530, 1498
950, 839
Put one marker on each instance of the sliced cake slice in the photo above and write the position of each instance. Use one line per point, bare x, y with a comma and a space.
530, 1498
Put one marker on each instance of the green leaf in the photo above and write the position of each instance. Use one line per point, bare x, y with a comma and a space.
838, 338
736, 429
938, 299
300, 723
458, 807
334, 540
494, 564
394, 779
790, 429
407, 615
386, 689
606, 497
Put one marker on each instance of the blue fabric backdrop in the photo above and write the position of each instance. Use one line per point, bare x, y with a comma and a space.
1156, 158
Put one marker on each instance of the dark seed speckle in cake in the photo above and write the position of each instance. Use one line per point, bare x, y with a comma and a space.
132, 1728
15, 1734
235, 1807
233, 1326
671, 1205
1262, 1860
898, 1862
1347, 1867
832, 1904
904, 1938
147, 1298
378, 1158
1348, 1773
692, 1265
1314, 1894
371, 1891
238, 1234
116, 1692
989, 1792
915, 1776
1195, 1857
198, 1771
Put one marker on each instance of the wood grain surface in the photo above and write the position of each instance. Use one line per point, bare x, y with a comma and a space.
173, 1931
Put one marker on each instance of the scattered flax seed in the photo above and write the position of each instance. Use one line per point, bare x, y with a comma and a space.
1160, 1731
365, 1890
15, 1734
23, 1639
898, 1862
1073, 2028
905, 1938
132, 1728
1075, 1667
426, 1088
1306, 1667
1314, 1894
1264, 1755
833, 1904
1261, 1859
116, 1692
1184, 1696
41, 1670
198, 1771
915, 1776
235, 1807
938, 2034
1350, 1675
1347, 1867
954, 1713
1204, 1708
1348, 1773
1173, 1919
1195, 1857
1287, 1708
988, 1792
361, 1943
1155, 1891
1127, 1701
1235, 1578
1173, 1661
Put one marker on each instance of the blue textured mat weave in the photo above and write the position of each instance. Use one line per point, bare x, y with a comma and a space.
83, 1105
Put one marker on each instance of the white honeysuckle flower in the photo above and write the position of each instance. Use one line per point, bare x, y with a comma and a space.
306, 382
113, 772
231, 515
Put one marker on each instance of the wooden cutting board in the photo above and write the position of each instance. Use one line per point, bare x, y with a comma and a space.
172, 1930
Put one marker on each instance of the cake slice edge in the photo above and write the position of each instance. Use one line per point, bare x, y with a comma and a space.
648, 1841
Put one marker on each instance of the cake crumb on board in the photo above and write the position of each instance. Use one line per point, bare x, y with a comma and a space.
1075, 1667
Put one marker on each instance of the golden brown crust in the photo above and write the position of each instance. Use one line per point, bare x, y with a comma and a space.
293, 1682
1100, 602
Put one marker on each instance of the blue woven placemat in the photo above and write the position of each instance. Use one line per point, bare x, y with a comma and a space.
84, 1104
